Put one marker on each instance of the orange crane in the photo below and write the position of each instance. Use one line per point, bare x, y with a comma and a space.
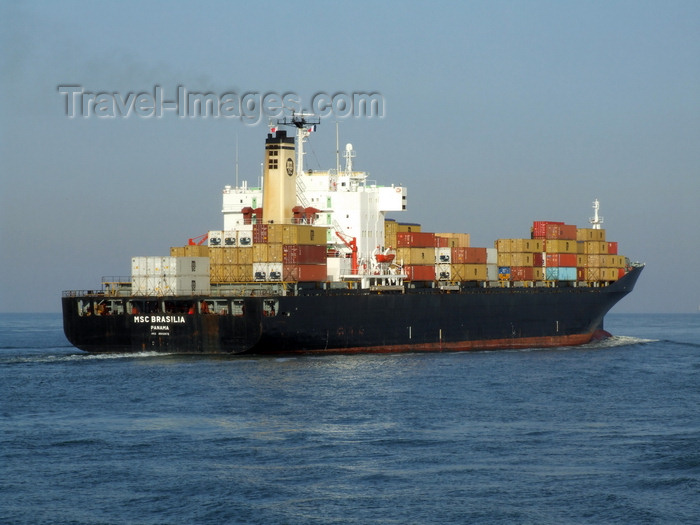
350, 242
198, 241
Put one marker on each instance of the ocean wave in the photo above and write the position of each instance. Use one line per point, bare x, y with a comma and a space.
620, 340
76, 357
681, 343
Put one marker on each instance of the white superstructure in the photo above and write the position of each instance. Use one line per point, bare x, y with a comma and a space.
347, 202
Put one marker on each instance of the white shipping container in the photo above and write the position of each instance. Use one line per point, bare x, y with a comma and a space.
491, 269
149, 265
216, 238
170, 285
230, 239
491, 256
169, 265
139, 266
443, 255
183, 266
443, 272
267, 271
337, 266
245, 236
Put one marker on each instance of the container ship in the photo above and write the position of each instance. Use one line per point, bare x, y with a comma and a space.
308, 262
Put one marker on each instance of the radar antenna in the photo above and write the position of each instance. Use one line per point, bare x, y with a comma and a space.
306, 124
596, 220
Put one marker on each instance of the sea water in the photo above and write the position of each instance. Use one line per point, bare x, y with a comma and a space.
605, 433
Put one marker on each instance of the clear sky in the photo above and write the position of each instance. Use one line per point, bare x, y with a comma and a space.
495, 114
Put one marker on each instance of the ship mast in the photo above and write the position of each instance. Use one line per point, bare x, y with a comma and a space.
305, 126
596, 221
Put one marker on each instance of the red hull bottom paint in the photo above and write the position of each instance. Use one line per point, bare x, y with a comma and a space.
462, 346
600, 335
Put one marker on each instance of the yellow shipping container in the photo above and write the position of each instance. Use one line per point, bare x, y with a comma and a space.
245, 256
469, 272
515, 259
296, 234
230, 255
416, 255
526, 245
216, 273
189, 251
593, 261
455, 240
408, 227
560, 246
270, 252
593, 247
612, 261
519, 245
243, 272
600, 274
260, 252
538, 273
391, 227
589, 234
591, 274
502, 245
231, 273
609, 274
223, 256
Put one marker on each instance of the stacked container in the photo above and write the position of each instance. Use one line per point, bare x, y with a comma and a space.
391, 228
169, 275
416, 250
264, 252
289, 252
558, 260
231, 265
517, 259
597, 258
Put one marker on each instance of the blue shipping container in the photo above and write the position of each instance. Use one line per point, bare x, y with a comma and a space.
560, 273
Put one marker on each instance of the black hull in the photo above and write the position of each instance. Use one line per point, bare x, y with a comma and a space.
361, 321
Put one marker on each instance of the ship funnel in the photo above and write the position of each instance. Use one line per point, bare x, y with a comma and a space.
279, 177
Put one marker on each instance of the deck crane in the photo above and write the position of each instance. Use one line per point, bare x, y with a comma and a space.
198, 241
351, 243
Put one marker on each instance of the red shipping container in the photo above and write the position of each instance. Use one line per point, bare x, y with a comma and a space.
461, 255
259, 233
521, 273
442, 242
420, 272
304, 272
303, 254
612, 248
560, 259
621, 272
561, 231
539, 228
537, 259
415, 240
580, 274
